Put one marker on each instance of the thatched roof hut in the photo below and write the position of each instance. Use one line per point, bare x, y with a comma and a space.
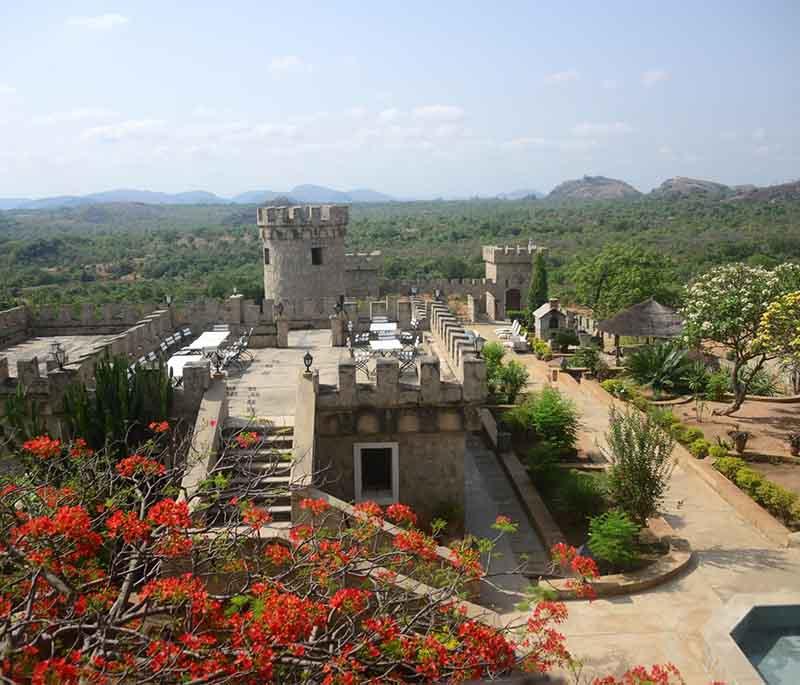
648, 319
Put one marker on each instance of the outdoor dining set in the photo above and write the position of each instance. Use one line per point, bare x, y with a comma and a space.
385, 339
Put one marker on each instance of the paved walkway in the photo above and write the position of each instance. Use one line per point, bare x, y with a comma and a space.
489, 494
665, 624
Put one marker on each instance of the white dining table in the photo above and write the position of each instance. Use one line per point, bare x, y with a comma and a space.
382, 327
209, 341
180, 359
384, 347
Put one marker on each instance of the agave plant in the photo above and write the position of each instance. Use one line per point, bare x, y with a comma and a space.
660, 367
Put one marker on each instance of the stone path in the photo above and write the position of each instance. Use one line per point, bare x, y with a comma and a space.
666, 623
488, 493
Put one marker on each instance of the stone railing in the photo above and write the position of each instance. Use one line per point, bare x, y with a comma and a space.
457, 345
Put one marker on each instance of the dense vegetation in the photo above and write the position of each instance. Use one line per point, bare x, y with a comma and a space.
144, 252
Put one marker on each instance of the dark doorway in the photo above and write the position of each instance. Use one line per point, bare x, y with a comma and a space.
513, 299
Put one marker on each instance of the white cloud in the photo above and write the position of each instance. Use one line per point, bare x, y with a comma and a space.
101, 22
5, 89
653, 76
356, 112
610, 84
438, 113
759, 134
134, 128
390, 114
560, 77
587, 129
285, 64
554, 143
74, 115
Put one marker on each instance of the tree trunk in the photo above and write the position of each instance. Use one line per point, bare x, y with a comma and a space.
739, 391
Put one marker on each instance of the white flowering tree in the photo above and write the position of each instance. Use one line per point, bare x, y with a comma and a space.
726, 306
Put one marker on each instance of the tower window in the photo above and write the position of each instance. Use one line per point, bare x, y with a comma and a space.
316, 256
266, 256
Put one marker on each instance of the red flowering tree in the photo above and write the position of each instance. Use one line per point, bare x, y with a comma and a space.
110, 573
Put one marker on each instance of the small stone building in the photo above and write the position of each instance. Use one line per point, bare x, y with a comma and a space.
549, 320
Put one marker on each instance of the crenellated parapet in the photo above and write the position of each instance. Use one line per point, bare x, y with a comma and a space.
510, 254
303, 216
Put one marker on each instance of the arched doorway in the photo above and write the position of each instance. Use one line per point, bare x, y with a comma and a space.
513, 299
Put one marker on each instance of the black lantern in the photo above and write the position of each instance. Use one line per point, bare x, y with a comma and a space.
479, 343
59, 354
308, 360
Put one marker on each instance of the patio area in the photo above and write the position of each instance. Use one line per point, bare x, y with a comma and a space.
75, 346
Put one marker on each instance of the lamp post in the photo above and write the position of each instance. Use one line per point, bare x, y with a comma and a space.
58, 353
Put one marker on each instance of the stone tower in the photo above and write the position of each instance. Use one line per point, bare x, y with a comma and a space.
303, 255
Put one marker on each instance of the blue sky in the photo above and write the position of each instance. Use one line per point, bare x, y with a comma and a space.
409, 98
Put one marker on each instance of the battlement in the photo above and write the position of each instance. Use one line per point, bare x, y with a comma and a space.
303, 215
510, 254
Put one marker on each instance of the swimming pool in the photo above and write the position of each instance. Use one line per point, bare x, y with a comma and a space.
769, 636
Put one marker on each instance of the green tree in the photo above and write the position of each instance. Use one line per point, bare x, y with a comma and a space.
538, 291
726, 305
641, 456
621, 275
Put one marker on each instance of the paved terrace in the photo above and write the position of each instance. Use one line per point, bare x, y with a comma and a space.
75, 345
665, 624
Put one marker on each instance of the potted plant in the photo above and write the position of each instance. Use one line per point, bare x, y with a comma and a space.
739, 438
794, 444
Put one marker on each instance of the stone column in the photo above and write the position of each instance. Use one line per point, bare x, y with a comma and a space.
347, 382
429, 379
387, 377
27, 370
283, 332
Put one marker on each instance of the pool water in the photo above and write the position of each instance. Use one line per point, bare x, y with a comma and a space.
769, 636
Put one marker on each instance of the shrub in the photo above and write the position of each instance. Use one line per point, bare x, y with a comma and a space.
564, 338
493, 353
700, 448
660, 367
678, 432
749, 480
729, 466
552, 417
641, 456
717, 452
718, 385
692, 434
612, 538
776, 499
511, 379
621, 388
585, 357
542, 461
664, 417
762, 383
539, 347
581, 495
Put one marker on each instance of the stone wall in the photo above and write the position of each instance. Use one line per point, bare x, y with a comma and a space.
87, 319
14, 326
428, 421
459, 348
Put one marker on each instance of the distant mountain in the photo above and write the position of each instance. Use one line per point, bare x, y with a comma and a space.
521, 194
681, 187
367, 195
254, 197
299, 194
784, 191
593, 188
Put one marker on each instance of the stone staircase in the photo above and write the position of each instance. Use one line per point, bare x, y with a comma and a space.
260, 474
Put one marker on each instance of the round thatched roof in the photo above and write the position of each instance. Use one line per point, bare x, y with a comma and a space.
646, 319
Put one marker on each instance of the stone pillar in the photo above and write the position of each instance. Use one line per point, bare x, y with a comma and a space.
387, 377
471, 313
404, 314
347, 382
57, 382
283, 332
196, 379
27, 370
233, 309
339, 330
429, 379
474, 383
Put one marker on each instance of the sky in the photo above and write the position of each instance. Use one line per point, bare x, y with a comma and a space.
412, 99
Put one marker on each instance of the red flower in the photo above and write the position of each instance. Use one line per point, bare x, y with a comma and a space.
80, 449
401, 513
43, 447
278, 554
128, 525
159, 426
417, 543
350, 600
170, 513
369, 508
299, 533
137, 464
315, 506
246, 440
254, 516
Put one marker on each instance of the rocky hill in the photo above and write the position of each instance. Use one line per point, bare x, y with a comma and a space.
593, 188
782, 192
681, 186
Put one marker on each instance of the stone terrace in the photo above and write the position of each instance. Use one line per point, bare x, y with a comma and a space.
75, 345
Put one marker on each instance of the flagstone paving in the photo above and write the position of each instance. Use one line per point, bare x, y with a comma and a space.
665, 624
